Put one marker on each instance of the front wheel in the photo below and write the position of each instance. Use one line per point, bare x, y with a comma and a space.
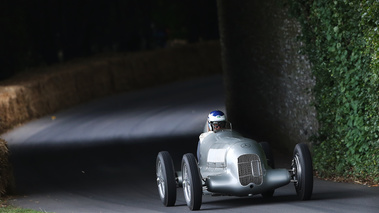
302, 171
166, 178
192, 185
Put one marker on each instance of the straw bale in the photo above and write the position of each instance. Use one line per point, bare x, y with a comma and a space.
5, 168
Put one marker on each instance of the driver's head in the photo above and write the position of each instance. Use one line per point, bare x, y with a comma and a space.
216, 120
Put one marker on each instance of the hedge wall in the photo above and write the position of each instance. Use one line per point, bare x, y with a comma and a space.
342, 42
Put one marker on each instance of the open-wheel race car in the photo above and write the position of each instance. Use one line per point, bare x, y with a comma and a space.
230, 164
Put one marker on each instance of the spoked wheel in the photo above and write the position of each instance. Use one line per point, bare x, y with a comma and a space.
166, 178
270, 162
192, 186
302, 171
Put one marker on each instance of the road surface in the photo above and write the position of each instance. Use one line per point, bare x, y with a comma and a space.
100, 157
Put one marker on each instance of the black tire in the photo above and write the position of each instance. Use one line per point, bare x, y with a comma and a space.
303, 171
270, 162
166, 178
192, 185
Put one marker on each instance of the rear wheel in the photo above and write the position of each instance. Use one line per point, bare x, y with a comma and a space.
302, 171
166, 178
270, 162
192, 186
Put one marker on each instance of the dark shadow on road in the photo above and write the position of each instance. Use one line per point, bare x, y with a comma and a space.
44, 167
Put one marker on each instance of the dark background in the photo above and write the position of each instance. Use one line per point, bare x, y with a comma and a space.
43, 32
266, 81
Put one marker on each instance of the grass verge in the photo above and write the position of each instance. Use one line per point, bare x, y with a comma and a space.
5, 207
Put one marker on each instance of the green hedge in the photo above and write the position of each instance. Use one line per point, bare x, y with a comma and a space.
341, 39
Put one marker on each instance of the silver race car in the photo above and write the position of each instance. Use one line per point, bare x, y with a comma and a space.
230, 164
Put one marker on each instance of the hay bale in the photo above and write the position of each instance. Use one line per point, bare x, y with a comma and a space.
49, 89
5, 168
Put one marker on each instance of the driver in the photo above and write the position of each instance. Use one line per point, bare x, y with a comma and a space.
216, 121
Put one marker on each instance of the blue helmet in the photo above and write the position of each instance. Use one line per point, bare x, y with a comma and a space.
216, 115
216, 120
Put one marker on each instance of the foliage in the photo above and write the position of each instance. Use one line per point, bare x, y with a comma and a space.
342, 42
12, 209
5, 207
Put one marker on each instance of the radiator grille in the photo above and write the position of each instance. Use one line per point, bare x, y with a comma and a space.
249, 169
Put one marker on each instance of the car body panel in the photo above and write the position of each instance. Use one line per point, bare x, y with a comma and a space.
231, 164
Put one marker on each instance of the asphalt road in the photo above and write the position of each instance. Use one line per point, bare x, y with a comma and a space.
100, 157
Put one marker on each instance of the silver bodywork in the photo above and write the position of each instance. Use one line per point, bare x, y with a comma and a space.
234, 165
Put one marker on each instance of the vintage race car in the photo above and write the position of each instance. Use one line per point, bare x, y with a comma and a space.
230, 164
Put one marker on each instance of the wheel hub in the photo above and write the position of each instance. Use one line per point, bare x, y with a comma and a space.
186, 184
160, 180
296, 171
